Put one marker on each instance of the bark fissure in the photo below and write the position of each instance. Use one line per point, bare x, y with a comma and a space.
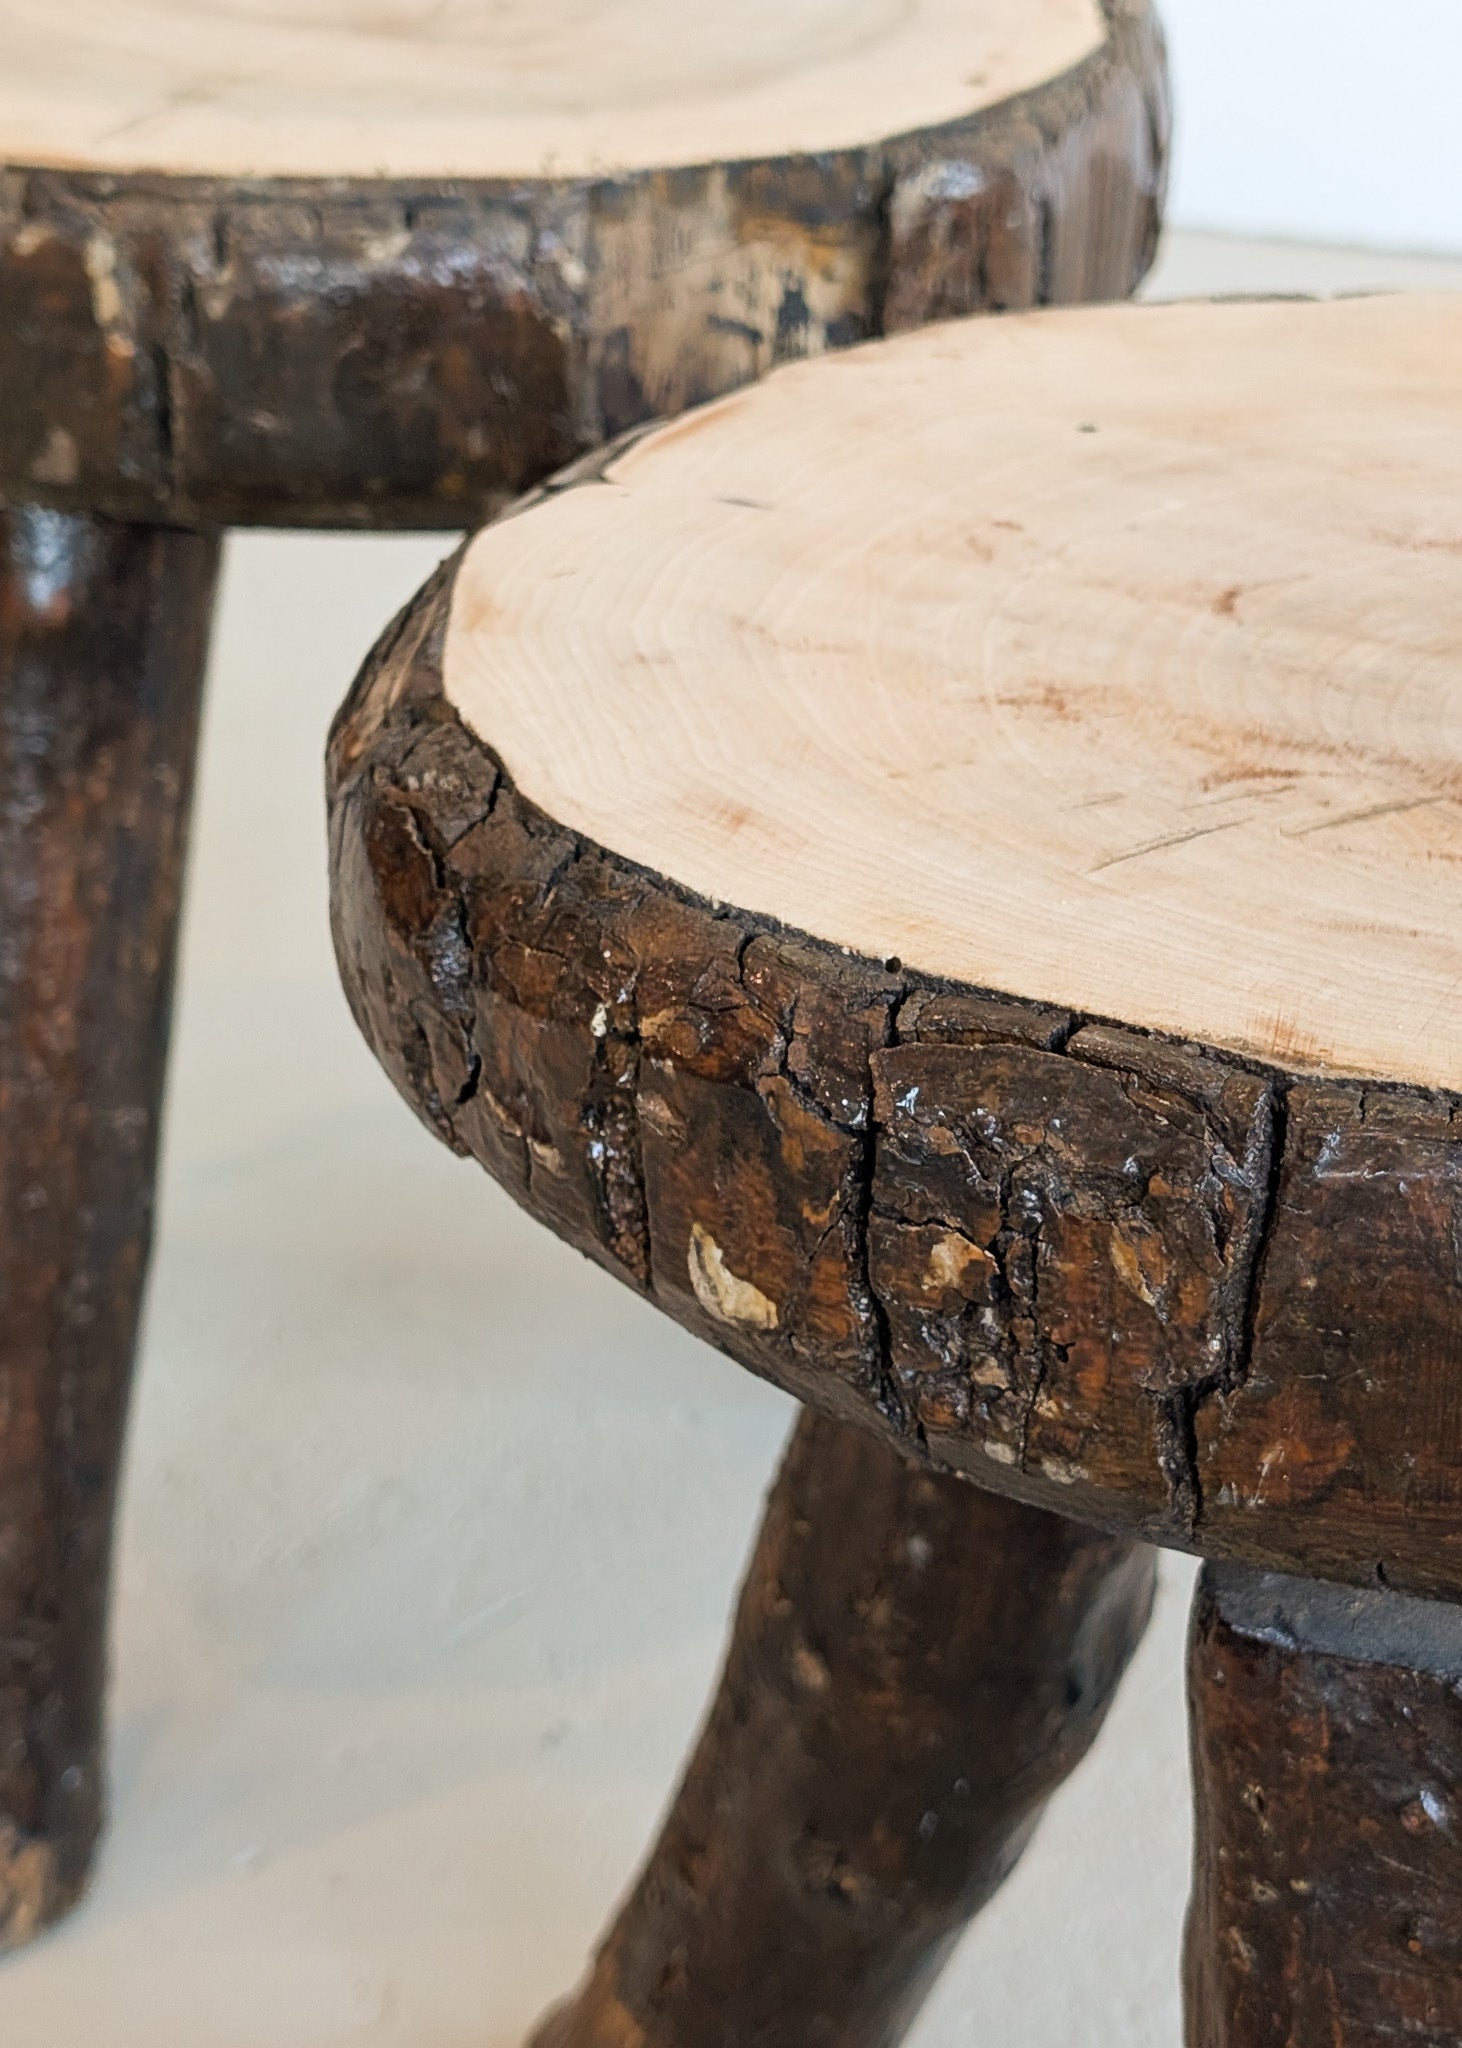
1220, 1385
882, 266
890, 1401
162, 370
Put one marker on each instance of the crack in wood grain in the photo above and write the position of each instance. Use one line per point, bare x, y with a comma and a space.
1169, 839
1363, 817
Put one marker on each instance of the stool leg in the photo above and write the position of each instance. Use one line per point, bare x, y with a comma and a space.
103, 632
1327, 1757
915, 1667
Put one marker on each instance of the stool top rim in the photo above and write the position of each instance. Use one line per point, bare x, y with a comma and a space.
1108, 658
544, 89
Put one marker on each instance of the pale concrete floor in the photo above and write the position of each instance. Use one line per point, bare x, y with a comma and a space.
431, 1529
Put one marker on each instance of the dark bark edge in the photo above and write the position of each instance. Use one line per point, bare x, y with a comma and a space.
1145, 1283
198, 351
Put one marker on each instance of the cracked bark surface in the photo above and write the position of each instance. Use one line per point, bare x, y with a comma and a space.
1143, 1283
1327, 1755
915, 1667
415, 352
103, 633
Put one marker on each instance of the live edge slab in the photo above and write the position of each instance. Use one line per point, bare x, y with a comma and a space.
1060, 656
386, 265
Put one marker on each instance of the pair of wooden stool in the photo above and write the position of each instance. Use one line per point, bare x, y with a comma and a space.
936, 870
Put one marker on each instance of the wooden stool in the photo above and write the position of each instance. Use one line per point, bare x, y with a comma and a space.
330, 264
942, 871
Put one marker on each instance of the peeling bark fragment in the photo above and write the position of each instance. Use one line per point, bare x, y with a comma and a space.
753, 1102
936, 1017
1115, 1217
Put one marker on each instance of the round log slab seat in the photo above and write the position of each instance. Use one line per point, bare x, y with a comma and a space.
386, 264
943, 871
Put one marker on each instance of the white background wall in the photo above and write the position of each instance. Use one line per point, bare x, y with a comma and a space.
1329, 120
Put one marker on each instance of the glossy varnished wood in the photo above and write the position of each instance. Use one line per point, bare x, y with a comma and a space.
103, 633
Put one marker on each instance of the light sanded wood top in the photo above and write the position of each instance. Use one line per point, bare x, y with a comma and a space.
503, 88
1111, 658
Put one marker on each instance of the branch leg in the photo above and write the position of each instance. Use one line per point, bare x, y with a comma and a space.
915, 1667
103, 634
1327, 1758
